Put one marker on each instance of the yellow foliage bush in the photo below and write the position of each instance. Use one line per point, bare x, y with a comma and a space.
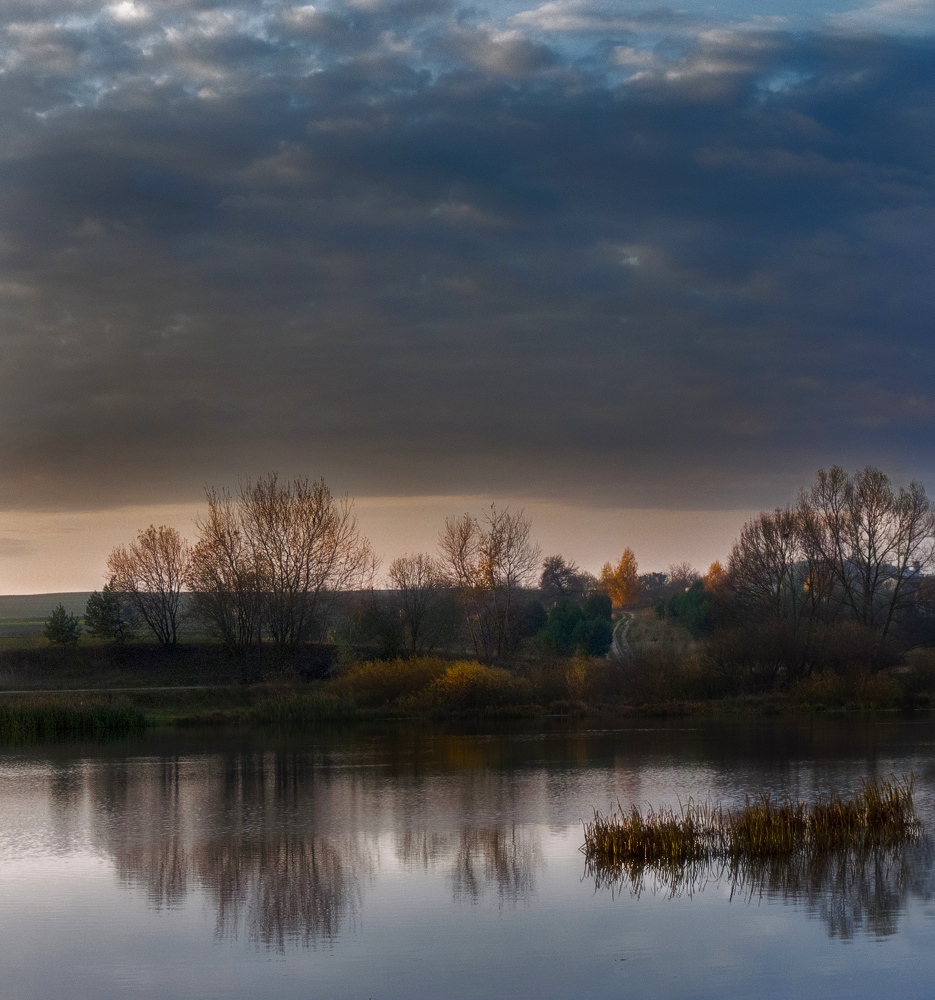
469, 685
381, 682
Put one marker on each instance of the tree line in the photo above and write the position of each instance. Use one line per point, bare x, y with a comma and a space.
278, 565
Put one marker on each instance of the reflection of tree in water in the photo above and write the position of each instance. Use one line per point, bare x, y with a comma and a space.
853, 892
495, 856
283, 891
165, 870
289, 889
243, 832
293, 891
478, 858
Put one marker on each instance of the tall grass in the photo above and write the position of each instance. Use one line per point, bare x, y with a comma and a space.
43, 718
300, 709
676, 846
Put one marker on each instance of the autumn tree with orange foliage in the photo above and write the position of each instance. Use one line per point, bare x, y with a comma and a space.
715, 579
621, 582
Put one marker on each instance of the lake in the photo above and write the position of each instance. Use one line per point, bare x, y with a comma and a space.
421, 861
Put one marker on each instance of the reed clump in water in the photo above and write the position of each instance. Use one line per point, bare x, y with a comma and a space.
880, 815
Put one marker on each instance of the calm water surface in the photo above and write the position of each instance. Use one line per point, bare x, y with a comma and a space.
397, 862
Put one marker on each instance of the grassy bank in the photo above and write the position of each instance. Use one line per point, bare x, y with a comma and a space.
197, 687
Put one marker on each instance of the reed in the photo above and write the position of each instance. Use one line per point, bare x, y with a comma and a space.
297, 710
676, 846
41, 718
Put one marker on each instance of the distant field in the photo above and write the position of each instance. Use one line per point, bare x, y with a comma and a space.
11, 630
23, 616
16, 608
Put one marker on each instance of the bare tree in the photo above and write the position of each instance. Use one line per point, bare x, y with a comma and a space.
226, 577
872, 538
460, 544
306, 546
491, 563
421, 585
680, 577
562, 580
776, 588
845, 555
152, 572
765, 571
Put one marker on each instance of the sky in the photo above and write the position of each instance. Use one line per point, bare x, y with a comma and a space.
639, 269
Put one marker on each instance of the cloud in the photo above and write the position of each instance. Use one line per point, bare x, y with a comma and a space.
585, 17
16, 548
419, 252
911, 16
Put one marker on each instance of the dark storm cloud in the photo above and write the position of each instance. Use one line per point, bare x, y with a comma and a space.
421, 252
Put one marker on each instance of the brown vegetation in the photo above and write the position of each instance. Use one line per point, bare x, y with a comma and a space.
880, 815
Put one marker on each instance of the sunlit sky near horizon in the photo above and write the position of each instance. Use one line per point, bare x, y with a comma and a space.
640, 268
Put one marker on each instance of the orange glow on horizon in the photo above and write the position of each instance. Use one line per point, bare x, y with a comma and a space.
49, 552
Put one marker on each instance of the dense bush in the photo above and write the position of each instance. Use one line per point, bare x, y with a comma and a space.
382, 682
657, 675
595, 681
473, 686
428, 684
757, 657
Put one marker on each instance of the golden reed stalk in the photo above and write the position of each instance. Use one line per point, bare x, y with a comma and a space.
881, 815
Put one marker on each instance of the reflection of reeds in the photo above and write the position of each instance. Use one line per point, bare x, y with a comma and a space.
846, 859
848, 888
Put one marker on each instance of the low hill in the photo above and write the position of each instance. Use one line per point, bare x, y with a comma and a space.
38, 607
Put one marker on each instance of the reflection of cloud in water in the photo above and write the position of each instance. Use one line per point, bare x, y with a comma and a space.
851, 892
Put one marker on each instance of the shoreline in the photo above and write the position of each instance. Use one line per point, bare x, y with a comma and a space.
60, 713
